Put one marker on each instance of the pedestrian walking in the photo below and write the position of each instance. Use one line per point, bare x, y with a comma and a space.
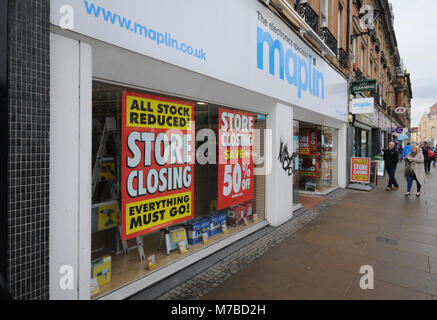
414, 170
428, 155
435, 157
391, 158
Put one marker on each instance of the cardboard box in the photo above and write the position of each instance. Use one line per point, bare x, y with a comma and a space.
101, 270
196, 227
104, 216
235, 215
217, 220
249, 210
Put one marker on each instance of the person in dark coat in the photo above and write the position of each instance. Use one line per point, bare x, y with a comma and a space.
391, 159
426, 157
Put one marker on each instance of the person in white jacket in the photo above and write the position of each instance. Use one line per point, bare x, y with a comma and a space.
414, 170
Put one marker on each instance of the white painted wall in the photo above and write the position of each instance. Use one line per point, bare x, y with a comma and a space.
85, 170
70, 165
279, 191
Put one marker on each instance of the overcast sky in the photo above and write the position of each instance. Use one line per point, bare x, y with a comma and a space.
416, 34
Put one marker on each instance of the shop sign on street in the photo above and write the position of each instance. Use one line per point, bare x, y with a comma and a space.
360, 170
363, 86
400, 110
364, 105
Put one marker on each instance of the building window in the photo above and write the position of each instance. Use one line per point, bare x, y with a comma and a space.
324, 13
363, 53
354, 50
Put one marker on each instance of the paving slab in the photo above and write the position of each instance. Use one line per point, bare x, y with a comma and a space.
384, 291
396, 257
398, 233
420, 281
417, 247
433, 265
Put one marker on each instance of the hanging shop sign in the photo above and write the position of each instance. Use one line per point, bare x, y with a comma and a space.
403, 137
363, 86
399, 130
364, 105
400, 110
236, 166
157, 186
360, 170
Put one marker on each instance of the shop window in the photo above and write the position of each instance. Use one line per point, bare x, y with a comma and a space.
361, 143
318, 159
228, 197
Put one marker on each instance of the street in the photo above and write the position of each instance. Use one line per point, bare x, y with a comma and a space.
395, 235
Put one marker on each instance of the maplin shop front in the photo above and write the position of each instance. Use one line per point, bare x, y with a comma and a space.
167, 120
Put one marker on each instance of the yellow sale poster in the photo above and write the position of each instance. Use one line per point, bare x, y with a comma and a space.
157, 163
360, 170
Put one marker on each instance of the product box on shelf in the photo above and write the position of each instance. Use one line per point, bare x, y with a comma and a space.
107, 169
249, 210
235, 215
196, 227
217, 220
104, 215
101, 270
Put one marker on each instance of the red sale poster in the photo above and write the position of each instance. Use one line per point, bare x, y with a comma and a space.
157, 173
236, 146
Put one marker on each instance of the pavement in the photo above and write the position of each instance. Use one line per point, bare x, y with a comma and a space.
319, 253
395, 235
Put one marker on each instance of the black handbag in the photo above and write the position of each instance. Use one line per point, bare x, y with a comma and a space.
409, 169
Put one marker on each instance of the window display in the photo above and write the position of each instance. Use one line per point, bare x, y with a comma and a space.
171, 176
317, 158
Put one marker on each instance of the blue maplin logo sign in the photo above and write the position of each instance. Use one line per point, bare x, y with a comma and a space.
298, 71
364, 105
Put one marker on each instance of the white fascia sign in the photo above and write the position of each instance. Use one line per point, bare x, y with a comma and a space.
364, 105
244, 44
